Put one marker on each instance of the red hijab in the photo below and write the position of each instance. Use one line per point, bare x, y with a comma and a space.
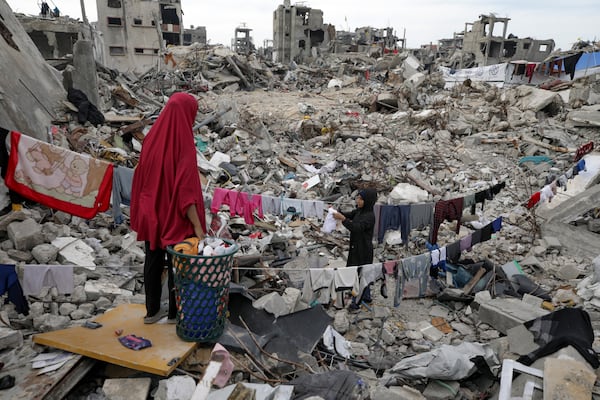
166, 181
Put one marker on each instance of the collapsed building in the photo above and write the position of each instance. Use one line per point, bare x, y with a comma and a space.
485, 42
54, 37
299, 32
242, 41
194, 35
366, 39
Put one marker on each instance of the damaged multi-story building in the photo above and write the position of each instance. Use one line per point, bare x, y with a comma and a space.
299, 32
365, 39
54, 37
242, 41
486, 45
194, 35
136, 32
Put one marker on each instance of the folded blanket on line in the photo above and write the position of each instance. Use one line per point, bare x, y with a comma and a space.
58, 178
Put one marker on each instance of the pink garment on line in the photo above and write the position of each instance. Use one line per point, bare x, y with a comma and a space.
240, 203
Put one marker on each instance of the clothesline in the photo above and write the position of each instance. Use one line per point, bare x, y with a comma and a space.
547, 192
417, 267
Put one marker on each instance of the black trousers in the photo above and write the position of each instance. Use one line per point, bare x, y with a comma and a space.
154, 266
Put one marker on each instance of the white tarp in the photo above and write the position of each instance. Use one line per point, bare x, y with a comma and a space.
492, 74
446, 362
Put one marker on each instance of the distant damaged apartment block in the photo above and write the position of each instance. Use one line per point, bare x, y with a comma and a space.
194, 35
491, 49
136, 32
299, 33
54, 37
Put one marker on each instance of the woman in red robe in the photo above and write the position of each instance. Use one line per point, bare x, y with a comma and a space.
166, 198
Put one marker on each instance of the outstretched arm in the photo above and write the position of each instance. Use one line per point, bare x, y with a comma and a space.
192, 215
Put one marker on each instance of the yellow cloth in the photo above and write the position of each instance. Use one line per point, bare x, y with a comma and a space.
189, 246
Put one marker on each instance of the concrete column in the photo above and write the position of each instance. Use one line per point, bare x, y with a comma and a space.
84, 76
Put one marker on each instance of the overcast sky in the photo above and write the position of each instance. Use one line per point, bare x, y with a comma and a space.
424, 21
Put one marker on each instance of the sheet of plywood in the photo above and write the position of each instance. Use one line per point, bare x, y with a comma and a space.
103, 344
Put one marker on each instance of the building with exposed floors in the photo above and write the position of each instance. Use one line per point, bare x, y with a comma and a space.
136, 33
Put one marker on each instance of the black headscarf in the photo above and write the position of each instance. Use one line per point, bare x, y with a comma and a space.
370, 198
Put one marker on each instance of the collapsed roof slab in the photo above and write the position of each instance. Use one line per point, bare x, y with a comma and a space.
31, 89
577, 239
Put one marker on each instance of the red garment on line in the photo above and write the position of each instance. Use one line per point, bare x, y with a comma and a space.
166, 180
529, 70
534, 199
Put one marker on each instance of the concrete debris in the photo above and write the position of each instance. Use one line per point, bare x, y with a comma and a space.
317, 133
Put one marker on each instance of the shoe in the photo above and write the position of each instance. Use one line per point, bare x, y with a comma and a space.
353, 307
156, 317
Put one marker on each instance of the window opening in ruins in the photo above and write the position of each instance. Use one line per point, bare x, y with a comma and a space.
169, 14
172, 38
543, 47
114, 3
137, 21
145, 51
495, 48
117, 50
510, 49
304, 14
526, 46
114, 21
302, 44
317, 37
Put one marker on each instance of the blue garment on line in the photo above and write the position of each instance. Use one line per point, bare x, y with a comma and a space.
9, 282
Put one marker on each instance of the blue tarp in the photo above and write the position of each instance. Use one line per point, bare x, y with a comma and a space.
588, 60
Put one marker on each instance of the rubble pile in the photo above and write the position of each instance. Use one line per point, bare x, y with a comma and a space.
322, 132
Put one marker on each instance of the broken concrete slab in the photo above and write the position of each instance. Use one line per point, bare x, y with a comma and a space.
577, 239
40, 97
535, 99
10, 338
503, 314
584, 118
521, 340
568, 379
127, 388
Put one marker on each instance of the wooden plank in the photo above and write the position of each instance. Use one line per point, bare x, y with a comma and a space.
76, 374
103, 344
469, 286
30, 385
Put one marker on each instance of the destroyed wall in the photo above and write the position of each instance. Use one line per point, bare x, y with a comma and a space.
53, 37
490, 48
242, 41
31, 89
136, 32
194, 35
296, 31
